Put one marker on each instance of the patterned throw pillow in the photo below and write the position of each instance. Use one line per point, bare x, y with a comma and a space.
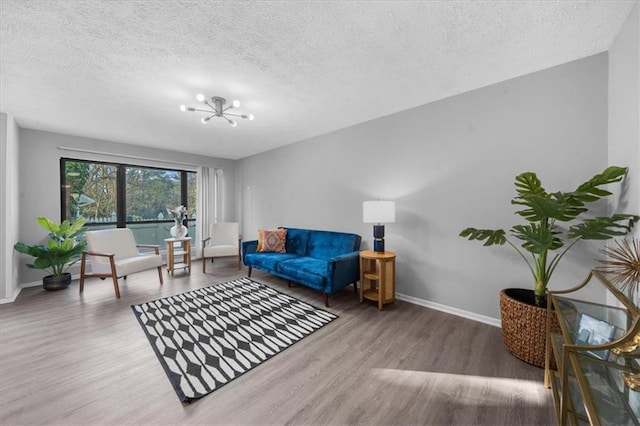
272, 240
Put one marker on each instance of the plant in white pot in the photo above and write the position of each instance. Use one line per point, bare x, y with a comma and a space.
64, 248
542, 244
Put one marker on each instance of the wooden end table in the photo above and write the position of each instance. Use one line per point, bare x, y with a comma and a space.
183, 249
378, 277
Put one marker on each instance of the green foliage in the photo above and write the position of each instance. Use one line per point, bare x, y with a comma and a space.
489, 236
63, 247
543, 209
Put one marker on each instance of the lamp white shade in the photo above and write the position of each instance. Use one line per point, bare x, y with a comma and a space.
378, 211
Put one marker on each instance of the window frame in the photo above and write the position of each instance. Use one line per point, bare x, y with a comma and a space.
121, 194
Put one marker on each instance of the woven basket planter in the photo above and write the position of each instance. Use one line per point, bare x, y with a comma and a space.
524, 326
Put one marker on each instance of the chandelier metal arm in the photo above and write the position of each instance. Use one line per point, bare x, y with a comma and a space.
211, 106
200, 110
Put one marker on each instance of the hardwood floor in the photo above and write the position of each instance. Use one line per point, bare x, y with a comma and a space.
80, 360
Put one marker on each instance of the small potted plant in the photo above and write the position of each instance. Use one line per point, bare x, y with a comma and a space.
538, 240
64, 248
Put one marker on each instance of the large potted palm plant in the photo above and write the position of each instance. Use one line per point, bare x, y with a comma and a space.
64, 248
542, 244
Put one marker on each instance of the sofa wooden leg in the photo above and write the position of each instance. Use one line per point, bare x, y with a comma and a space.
160, 274
355, 288
325, 298
289, 284
250, 268
204, 265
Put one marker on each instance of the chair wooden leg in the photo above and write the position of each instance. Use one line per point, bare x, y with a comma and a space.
115, 286
160, 274
114, 276
325, 298
83, 266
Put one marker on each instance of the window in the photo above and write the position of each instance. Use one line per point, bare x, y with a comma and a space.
113, 195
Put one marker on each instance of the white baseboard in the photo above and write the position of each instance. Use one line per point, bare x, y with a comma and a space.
27, 285
426, 303
448, 309
31, 284
12, 298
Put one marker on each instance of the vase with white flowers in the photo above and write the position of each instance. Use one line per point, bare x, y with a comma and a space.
179, 214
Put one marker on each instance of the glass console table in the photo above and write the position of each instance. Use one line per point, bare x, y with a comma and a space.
597, 355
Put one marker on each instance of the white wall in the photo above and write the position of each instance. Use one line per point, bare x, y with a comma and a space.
448, 165
9, 217
39, 165
3, 209
624, 109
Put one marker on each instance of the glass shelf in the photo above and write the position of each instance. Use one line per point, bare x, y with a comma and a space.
596, 392
606, 390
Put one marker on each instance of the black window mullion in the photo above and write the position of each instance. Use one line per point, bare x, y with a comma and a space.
64, 191
184, 193
121, 203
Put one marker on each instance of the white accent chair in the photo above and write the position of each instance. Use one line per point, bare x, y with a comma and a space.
224, 239
114, 253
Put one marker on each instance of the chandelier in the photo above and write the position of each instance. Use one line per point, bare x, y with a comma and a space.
216, 108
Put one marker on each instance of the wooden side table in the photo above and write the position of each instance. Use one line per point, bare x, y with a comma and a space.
378, 277
183, 249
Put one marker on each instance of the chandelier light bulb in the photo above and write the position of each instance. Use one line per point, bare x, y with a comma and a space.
250, 117
204, 120
233, 123
200, 97
183, 108
236, 104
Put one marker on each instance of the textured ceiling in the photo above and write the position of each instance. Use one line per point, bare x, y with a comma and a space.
118, 70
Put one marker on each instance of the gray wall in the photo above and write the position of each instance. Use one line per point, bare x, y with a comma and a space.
624, 109
624, 113
448, 165
40, 183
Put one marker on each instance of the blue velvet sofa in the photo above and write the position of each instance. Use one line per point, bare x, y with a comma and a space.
323, 260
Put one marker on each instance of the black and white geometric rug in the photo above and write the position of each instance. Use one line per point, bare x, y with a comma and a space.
207, 337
